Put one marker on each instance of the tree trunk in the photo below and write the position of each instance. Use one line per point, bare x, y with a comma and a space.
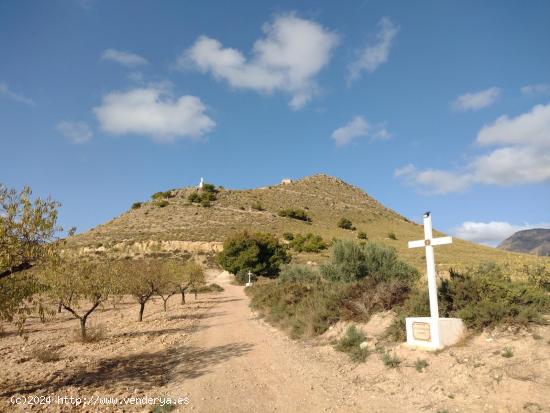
182, 297
59, 306
164, 303
83, 328
195, 294
141, 309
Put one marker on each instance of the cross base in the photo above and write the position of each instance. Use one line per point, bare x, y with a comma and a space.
420, 332
248, 285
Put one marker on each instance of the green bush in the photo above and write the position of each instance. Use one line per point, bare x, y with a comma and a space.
308, 243
298, 273
162, 195
289, 236
293, 213
260, 253
353, 261
362, 235
345, 224
483, 297
391, 235
257, 206
194, 197
350, 342
162, 203
209, 188
390, 361
136, 205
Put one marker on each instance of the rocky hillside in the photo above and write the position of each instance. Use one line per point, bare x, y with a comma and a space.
172, 223
533, 241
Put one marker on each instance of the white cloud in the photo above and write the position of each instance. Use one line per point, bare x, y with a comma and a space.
538, 89
376, 53
531, 128
5, 91
286, 59
153, 112
522, 156
357, 128
476, 100
76, 132
490, 233
124, 58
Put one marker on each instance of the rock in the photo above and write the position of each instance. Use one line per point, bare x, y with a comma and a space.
363, 345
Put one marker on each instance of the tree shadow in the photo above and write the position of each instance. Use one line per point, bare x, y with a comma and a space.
142, 371
196, 316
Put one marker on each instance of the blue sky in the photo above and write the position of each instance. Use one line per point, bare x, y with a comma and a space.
429, 105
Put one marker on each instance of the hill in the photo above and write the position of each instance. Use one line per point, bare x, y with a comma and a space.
171, 224
533, 241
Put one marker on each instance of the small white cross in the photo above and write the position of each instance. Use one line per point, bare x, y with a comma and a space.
428, 242
201, 183
249, 283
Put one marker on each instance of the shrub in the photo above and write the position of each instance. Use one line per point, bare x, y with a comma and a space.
390, 361
345, 224
483, 297
362, 235
257, 206
162, 203
420, 365
391, 235
352, 261
293, 213
162, 195
210, 288
46, 355
507, 352
136, 205
205, 203
209, 188
289, 236
308, 243
260, 253
350, 343
539, 275
194, 197
297, 273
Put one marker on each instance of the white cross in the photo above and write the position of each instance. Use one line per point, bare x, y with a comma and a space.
428, 242
249, 283
201, 183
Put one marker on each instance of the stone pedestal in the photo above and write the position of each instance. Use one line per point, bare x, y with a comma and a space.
422, 333
248, 285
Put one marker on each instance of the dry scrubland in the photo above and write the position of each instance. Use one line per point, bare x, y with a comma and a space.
325, 199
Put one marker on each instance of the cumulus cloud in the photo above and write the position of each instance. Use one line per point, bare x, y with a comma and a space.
376, 53
538, 89
124, 58
153, 112
76, 132
476, 100
359, 127
7, 92
490, 233
286, 59
521, 156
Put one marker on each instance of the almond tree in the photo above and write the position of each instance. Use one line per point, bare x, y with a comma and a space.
80, 286
142, 279
27, 235
168, 284
194, 276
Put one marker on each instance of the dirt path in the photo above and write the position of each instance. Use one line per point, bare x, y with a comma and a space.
255, 368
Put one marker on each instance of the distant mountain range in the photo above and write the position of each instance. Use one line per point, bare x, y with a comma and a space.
533, 241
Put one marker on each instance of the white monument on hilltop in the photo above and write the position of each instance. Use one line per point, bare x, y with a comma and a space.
201, 183
432, 332
249, 283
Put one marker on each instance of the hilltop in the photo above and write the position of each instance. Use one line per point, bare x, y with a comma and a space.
533, 241
170, 222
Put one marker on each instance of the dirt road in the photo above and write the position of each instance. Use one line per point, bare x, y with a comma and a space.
255, 368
